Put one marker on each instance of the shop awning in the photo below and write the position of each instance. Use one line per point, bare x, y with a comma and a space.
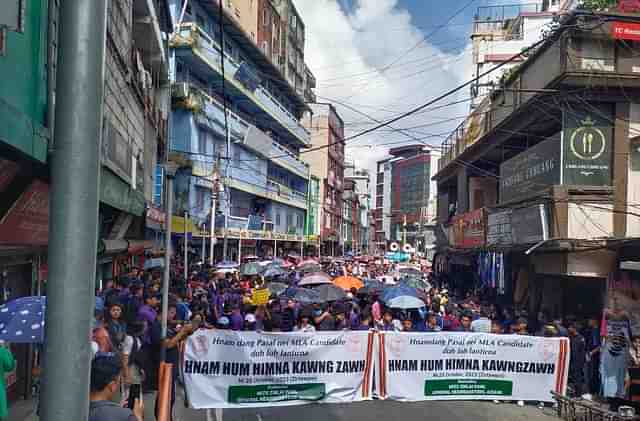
116, 193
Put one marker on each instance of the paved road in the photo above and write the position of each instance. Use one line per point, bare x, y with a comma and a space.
383, 411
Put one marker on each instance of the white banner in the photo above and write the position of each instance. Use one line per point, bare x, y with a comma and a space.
227, 369
469, 366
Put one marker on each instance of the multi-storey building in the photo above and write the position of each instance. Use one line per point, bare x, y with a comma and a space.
359, 178
133, 138
312, 227
403, 191
546, 183
327, 163
239, 92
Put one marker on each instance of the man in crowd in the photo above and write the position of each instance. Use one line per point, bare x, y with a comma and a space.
105, 385
577, 346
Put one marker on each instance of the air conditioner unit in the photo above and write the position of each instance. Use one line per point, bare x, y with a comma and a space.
180, 90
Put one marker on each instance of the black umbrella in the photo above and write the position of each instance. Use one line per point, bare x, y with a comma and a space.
372, 287
277, 288
302, 295
330, 293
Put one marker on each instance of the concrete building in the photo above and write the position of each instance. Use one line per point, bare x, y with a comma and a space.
326, 159
263, 208
547, 183
403, 193
361, 213
133, 139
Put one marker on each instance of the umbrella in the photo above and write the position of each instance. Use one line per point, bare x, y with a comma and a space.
371, 287
348, 282
277, 288
274, 271
250, 269
153, 263
387, 280
22, 320
302, 295
282, 263
330, 292
398, 291
405, 302
414, 282
227, 264
265, 262
226, 270
316, 278
410, 271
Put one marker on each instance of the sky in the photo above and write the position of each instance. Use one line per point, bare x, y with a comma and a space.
375, 59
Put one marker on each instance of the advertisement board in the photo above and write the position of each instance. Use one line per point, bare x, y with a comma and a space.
469, 229
499, 228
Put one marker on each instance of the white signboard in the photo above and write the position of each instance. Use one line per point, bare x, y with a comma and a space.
227, 369
468, 366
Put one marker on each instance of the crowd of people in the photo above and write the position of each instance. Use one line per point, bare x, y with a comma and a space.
128, 317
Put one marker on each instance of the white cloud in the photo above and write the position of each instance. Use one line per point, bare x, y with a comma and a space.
345, 53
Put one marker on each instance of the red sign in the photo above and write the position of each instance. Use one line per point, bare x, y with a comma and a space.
629, 6
624, 30
469, 229
27, 222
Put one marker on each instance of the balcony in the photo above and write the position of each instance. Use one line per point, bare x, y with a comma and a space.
272, 191
571, 60
240, 130
503, 20
202, 52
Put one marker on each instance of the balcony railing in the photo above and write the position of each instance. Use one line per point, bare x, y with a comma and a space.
285, 192
288, 160
496, 19
192, 36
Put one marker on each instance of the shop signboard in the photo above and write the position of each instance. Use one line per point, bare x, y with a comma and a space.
587, 145
499, 228
530, 224
625, 30
27, 222
469, 229
531, 171
155, 218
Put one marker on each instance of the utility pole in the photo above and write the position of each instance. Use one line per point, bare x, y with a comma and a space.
170, 172
186, 248
73, 233
212, 233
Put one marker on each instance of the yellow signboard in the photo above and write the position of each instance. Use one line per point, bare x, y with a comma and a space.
260, 297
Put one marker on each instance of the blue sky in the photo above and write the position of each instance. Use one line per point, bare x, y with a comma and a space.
375, 59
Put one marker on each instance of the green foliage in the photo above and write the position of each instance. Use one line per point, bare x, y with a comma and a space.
599, 4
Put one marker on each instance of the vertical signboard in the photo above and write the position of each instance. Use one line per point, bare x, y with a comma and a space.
499, 228
587, 145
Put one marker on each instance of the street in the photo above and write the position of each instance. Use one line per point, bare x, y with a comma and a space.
383, 410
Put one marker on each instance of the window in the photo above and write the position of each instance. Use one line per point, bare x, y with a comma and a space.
201, 193
277, 219
289, 220
202, 141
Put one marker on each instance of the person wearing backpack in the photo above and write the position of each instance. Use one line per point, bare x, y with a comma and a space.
132, 357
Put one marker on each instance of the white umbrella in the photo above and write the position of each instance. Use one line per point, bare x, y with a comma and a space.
406, 302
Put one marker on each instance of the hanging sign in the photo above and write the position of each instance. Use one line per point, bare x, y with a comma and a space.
626, 30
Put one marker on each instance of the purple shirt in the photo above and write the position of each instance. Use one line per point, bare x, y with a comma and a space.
148, 315
237, 321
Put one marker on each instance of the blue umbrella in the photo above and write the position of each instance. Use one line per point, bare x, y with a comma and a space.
22, 320
398, 291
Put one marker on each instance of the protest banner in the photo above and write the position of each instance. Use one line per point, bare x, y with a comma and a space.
470, 366
260, 297
227, 369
